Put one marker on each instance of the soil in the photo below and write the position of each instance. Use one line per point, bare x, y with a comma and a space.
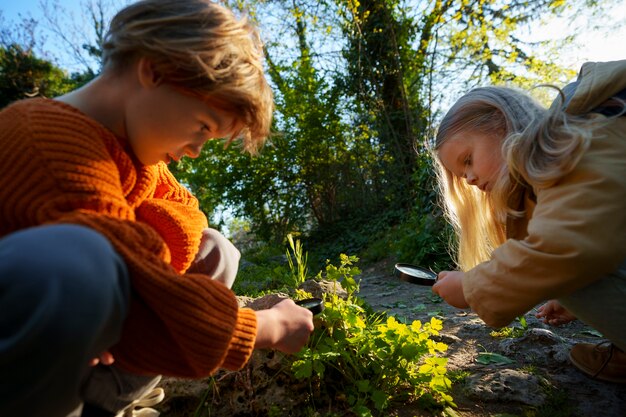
527, 374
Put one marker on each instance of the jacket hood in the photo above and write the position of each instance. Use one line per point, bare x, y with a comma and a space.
596, 83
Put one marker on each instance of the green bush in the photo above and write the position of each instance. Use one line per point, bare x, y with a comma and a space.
263, 269
363, 361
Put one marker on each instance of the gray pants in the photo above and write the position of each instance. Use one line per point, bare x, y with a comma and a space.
602, 305
64, 295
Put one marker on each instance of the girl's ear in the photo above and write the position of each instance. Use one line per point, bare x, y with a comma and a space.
146, 73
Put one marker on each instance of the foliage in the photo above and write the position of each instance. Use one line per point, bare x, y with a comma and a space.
355, 235
366, 362
26, 70
381, 75
262, 189
357, 89
23, 75
257, 280
316, 167
419, 238
418, 235
458, 376
263, 269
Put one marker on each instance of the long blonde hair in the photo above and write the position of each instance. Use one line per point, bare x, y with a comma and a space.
539, 146
201, 48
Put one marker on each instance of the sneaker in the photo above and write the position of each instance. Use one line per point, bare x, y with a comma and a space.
603, 361
151, 398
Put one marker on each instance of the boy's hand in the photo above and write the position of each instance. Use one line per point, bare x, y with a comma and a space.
285, 327
554, 314
449, 286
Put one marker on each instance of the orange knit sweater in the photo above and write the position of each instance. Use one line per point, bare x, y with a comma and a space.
59, 166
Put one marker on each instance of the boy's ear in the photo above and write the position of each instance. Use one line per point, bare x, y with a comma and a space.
146, 73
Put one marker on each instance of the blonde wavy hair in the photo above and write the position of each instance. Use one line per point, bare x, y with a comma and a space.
539, 146
203, 49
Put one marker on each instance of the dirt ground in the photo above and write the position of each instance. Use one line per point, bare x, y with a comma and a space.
533, 377
526, 374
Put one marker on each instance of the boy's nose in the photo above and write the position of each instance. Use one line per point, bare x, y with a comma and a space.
193, 152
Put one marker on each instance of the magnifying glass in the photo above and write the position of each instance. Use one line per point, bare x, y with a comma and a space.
415, 274
314, 305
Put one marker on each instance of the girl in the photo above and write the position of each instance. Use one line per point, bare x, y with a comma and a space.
101, 249
538, 200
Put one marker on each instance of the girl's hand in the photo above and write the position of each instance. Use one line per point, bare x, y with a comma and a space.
285, 327
105, 358
449, 286
554, 314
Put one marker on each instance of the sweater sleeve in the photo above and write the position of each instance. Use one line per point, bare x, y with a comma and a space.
62, 171
175, 214
576, 236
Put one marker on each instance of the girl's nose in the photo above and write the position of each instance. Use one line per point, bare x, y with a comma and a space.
471, 178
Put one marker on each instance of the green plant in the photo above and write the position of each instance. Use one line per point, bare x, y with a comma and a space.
490, 358
297, 262
202, 410
343, 274
274, 411
366, 361
513, 331
458, 376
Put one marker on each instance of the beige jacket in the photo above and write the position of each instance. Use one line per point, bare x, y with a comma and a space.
577, 231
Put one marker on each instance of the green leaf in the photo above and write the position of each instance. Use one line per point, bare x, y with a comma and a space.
363, 385
380, 399
591, 332
362, 411
487, 358
319, 368
302, 369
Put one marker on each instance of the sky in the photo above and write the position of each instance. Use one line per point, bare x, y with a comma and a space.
77, 22
590, 46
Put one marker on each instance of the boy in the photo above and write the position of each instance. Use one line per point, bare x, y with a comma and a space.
97, 236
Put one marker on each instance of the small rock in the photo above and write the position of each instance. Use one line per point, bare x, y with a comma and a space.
506, 385
318, 288
265, 302
539, 346
244, 301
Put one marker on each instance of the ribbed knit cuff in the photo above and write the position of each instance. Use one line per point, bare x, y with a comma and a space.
242, 342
